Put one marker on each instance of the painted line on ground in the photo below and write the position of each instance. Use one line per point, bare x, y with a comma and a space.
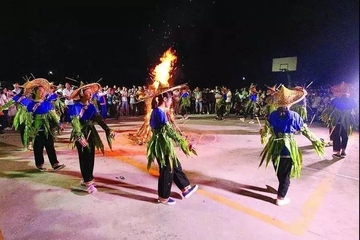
310, 207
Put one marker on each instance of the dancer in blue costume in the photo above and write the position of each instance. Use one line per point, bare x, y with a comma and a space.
83, 115
100, 99
40, 124
281, 147
161, 148
340, 119
21, 102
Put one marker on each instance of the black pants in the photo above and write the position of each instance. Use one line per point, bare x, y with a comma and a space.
86, 160
183, 111
339, 137
221, 110
21, 129
330, 133
283, 175
5, 119
167, 177
249, 111
40, 142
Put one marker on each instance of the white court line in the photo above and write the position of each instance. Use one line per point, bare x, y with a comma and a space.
345, 176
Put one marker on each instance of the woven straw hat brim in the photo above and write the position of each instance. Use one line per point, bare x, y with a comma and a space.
340, 89
38, 82
24, 85
181, 86
94, 87
287, 97
271, 89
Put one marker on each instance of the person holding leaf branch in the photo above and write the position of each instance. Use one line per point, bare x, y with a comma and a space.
339, 118
161, 148
83, 114
41, 122
281, 147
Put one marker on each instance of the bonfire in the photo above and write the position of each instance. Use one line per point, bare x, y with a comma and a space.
160, 75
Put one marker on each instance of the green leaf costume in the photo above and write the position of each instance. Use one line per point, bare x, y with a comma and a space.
331, 116
86, 129
161, 145
275, 145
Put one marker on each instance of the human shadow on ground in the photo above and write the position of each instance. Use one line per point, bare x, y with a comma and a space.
234, 187
67, 179
321, 165
110, 183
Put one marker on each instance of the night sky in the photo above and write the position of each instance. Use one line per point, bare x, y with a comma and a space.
217, 42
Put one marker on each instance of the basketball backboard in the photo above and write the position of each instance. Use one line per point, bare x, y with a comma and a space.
287, 64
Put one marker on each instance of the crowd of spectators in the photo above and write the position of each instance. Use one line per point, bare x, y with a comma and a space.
127, 101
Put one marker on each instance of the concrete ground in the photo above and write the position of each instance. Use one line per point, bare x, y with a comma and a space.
235, 199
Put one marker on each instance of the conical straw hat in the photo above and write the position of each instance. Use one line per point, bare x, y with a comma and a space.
271, 89
287, 97
340, 89
94, 87
37, 82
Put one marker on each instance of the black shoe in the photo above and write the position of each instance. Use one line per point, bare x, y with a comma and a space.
336, 155
343, 154
42, 168
58, 167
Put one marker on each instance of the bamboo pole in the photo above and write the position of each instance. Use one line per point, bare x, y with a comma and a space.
257, 118
309, 84
312, 119
72, 79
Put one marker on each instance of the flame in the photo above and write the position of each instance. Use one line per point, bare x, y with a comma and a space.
163, 71
160, 75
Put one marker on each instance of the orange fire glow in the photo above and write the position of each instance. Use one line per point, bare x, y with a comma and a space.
163, 71
161, 76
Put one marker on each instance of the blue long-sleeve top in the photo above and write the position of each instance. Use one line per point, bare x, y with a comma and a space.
39, 108
288, 124
88, 114
43, 108
21, 99
158, 118
253, 97
344, 103
184, 95
51, 97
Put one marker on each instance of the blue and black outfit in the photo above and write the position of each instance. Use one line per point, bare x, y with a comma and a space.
339, 117
83, 117
282, 149
251, 106
101, 104
161, 148
184, 103
21, 102
40, 125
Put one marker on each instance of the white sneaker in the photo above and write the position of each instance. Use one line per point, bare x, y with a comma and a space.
282, 202
82, 183
242, 119
30, 147
168, 201
91, 189
251, 122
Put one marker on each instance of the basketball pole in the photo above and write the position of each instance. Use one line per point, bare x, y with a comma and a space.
288, 78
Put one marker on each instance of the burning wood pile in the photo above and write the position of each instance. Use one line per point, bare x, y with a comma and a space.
161, 75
